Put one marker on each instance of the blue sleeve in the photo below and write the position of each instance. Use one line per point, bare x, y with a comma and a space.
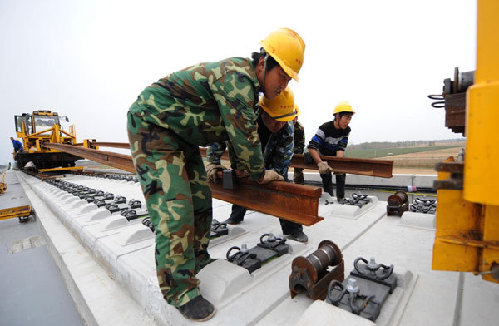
343, 143
318, 140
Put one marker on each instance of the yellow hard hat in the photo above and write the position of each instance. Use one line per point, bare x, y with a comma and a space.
297, 109
343, 107
287, 48
281, 107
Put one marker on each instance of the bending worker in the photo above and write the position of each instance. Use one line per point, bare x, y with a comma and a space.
275, 129
18, 146
206, 103
331, 140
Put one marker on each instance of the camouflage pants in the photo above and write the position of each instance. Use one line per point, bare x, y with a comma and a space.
178, 198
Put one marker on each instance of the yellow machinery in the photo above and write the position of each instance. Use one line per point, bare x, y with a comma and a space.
37, 129
467, 236
3, 185
21, 212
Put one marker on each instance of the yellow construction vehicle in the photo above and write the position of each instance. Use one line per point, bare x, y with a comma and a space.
41, 127
467, 235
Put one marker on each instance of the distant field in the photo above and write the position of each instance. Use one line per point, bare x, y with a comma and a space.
383, 152
410, 158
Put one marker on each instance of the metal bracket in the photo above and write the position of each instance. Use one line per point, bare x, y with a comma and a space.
311, 275
378, 273
218, 229
351, 296
398, 203
243, 258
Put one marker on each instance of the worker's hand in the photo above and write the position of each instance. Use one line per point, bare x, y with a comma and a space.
269, 176
212, 170
324, 167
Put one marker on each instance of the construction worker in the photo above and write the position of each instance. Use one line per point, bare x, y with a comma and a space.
18, 146
299, 140
331, 139
206, 103
275, 129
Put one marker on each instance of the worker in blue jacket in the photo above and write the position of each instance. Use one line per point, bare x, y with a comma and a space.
18, 146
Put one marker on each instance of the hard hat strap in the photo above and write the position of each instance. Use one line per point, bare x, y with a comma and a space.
284, 115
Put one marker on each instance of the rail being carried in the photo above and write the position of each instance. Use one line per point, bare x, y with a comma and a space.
297, 203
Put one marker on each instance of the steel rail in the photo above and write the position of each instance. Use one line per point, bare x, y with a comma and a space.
107, 144
375, 168
297, 203
120, 161
370, 167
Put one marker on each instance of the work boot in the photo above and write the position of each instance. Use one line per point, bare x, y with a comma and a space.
198, 309
298, 236
232, 221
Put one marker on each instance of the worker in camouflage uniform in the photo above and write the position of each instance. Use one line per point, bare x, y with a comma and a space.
275, 129
299, 138
206, 103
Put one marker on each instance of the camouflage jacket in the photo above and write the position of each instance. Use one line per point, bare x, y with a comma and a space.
299, 137
277, 154
206, 103
279, 150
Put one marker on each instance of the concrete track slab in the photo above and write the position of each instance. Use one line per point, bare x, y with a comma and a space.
424, 296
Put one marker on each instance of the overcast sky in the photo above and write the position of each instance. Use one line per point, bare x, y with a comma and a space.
90, 59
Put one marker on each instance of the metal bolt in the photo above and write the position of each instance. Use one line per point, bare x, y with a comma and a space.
244, 248
372, 263
352, 286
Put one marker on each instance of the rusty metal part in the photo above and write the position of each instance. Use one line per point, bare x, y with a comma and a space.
375, 168
120, 161
455, 112
398, 203
453, 99
455, 182
296, 203
71, 168
94, 143
310, 275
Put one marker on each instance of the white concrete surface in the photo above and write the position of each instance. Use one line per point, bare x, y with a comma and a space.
100, 299
122, 258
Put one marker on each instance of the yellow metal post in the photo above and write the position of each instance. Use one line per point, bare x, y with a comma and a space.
467, 236
481, 175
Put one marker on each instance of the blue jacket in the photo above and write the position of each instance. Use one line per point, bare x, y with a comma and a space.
18, 146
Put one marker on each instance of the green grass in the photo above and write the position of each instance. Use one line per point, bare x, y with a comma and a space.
380, 152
